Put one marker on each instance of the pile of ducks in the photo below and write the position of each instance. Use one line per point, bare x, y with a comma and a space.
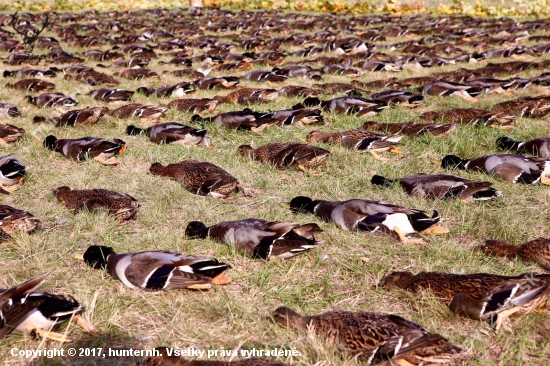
304, 47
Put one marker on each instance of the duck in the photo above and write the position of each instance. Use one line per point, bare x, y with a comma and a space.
86, 116
99, 149
525, 107
509, 167
411, 128
347, 105
536, 250
32, 85
537, 147
402, 97
245, 96
360, 215
91, 77
441, 186
166, 357
158, 269
13, 221
195, 106
138, 74
111, 95
12, 173
298, 115
265, 75
209, 83
202, 178
374, 337
9, 110
172, 133
258, 238
358, 140
286, 154
447, 88
479, 295
246, 119
178, 90
50, 100
147, 113
122, 206
10, 133
471, 116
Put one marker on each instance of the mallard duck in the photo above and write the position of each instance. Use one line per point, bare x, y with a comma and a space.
411, 128
525, 107
202, 178
286, 154
375, 337
172, 133
298, 115
50, 100
9, 110
111, 95
478, 295
122, 206
538, 147
217, 81
147, 113
138, 74
444, 88
402, 97
300, 91
165, 357
91, 77
12, 173
86, 116
537, 250
10, 133
96, 148
358, 215
178, 90
265, 75
13, 220
32, 85
513, 168
358, 140
260, 238
348, 105
442, 186
246, 96
195, 106
158, 270
30, 72
471, 116
246, 119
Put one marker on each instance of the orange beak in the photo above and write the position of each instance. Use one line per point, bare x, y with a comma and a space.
221, 279
20, 180
122, 149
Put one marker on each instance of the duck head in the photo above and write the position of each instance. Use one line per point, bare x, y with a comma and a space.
396, 279
196, 229
49, 142
96, 256
302, 204
453, 161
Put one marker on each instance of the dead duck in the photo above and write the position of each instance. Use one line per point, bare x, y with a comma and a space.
471, 116
195, 106
358, 215
158, 270
138, 74
10, 133
172, 133
86, 116
178, 90
537, 147
246, 96
12, 173
347, 105
92, 77
209, 83
13, 221
525, 107
246, 119
202, 178
411, 128
111, 95
286, 154
265, 76
32, 85
166, 358
99, 149
537, 250
51, 100
298, 115
443, 89
122, 206
479, 295
147, 113
442, 186
513, 168
260, 239
402, 97
30, 72
9, 110
375, 337
358, 140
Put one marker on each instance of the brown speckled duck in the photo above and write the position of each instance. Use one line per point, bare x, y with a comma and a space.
537, 250
195, 106
13, 221
86, 116
259, 238
122, 206
471, 116
375, 337
202, 178
111, 95
10, 133
32, 85
411, 128
147, 113
286, 154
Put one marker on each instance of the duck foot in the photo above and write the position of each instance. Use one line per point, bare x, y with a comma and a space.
221, 279
375, 155
544, 179
437, 229
87, 326
9, 189
58, 337
408, 241
110, 161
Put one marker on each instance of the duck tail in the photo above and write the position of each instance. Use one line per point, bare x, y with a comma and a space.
379, 180
133, 130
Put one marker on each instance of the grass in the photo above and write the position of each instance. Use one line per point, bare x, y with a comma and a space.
338, 275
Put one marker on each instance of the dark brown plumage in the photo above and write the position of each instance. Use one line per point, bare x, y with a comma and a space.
10, 133
537, 250
411, 128
286, 154
86, 116
13, 221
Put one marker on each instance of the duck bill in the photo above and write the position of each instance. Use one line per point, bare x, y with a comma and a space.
87, 326
545, 179
396, 150
21, 180
437, 229
221, 279
436, 162
285, 205
122, 149
79, 256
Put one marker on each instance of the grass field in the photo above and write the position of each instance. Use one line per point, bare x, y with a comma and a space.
338, 275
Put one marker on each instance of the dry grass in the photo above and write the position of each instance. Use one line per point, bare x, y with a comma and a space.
338, 275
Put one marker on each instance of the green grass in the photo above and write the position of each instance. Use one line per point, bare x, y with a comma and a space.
337, 275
